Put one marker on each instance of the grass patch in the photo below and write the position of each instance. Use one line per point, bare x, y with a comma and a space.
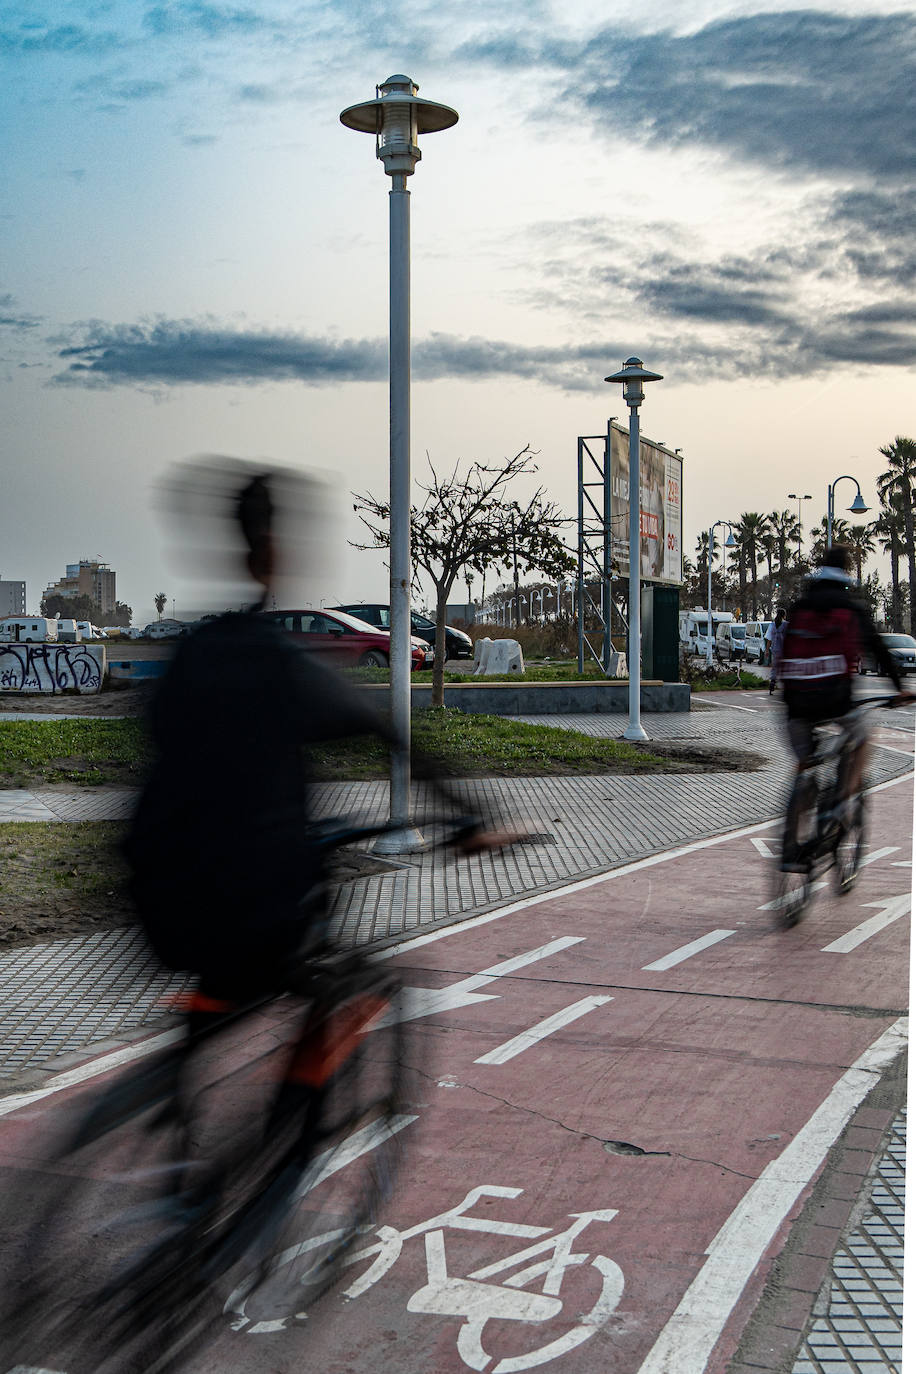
727, 683
467, 745
59, 880
85, 752
564, 670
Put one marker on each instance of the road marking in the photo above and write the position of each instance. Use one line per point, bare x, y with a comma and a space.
790, 896
678, 956
331, 1161
891, 909
526, 1039
92, 1069
764, 847
877, 854
907, 753
730, 705
413, 1003
686, 1342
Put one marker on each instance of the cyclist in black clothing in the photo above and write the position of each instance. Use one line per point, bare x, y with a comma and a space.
829, 629
224, 875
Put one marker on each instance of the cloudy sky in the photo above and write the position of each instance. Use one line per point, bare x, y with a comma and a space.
193, 252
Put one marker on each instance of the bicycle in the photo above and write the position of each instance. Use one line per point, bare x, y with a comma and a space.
820, 832
211, 1165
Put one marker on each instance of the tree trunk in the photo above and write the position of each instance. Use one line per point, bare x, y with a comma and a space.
438, 698
910, 555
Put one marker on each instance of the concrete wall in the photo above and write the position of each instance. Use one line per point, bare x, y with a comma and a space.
551, 698
52, 668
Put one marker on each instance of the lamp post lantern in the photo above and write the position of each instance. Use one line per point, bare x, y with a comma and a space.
633, 375
858, 506
799, 499
397, 117
730, 543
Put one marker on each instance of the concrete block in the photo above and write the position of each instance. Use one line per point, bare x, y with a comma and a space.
496, 656
51, 668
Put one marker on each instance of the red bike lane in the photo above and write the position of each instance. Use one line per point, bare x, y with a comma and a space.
624, 1094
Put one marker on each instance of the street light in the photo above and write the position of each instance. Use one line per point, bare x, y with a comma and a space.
397, 117
633, 374
730, 543
858, 506
799, 499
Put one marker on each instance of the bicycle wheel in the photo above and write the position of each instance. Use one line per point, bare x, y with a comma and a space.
850, 848
792, 888
86, 1283
349, 1077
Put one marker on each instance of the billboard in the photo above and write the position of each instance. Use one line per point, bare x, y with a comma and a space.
660, 510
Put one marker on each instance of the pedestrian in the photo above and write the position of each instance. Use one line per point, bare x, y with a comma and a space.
775, 635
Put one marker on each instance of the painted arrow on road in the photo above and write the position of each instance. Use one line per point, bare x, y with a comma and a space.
416, 1002
890, 908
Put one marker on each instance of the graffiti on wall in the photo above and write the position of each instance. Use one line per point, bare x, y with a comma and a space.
50, 668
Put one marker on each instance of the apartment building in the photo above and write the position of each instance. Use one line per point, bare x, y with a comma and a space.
87, 578
12, 598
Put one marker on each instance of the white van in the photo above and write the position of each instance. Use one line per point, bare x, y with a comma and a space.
89, 631
730, 641
756, 640
27, 629
693, 629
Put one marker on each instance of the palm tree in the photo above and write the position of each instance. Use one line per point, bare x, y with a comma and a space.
888, 528
841, 535
159, 601
898, 479
751, 529
787, 530
861, 541
702, 568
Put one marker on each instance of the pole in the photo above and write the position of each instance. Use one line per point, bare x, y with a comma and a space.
634, 730
580, 571
606, 570
709, 599
399, 477
830, 515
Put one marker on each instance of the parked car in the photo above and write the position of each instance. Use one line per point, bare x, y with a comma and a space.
755, 640
344, 640
903, 649
457, 643
730, 641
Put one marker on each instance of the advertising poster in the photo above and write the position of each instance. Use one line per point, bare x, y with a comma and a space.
660, 510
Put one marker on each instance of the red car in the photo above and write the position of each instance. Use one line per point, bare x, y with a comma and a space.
343, 640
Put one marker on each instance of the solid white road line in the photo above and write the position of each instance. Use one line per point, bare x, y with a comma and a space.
92, 1069
730, 705
678, 956
891, 909
687, 1340
526, 1039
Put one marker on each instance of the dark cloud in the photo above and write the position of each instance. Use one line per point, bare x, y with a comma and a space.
174, 353
804, 89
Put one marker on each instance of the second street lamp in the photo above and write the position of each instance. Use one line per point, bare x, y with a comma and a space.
799, 499
633, 375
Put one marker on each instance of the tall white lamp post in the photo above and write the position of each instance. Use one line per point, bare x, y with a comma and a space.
799, 499
858, 506
730, 543
633, 375
397, 117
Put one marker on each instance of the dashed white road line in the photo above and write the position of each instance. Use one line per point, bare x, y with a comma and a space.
891, 909
678, 956
525, 1039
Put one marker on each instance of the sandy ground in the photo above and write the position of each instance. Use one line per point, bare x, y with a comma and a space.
114, 701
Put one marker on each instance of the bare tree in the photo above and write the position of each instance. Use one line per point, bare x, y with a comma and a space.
466, 524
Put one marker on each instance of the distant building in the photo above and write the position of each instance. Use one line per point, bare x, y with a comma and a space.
12, 598
87, 578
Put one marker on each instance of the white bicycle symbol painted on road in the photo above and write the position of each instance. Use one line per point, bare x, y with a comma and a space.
476, 1297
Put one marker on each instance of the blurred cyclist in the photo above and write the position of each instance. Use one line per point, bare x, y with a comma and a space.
829, 630
224, 875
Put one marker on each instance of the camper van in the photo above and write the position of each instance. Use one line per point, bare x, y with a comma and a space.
27, 629
694, 629
89, 631
68, 632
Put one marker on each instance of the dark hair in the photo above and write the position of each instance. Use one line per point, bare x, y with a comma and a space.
780, 615
838, 556
254, 510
